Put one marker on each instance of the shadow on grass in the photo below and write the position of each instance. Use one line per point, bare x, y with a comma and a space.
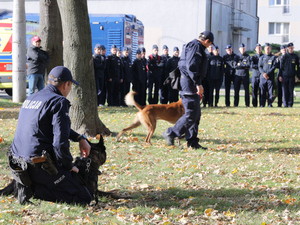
233, 199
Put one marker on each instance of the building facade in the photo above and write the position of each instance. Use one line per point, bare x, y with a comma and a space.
176, 22
279, 22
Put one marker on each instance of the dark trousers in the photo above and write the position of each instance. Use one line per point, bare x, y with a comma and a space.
154, 82
206, 92
279, 92
164, 94
266, 86
100, 88
113, 92
173, 94
214, 85
288, 84
237, 85
62, 187
255, 91
141, 93
189, 122
228, 80
124, 89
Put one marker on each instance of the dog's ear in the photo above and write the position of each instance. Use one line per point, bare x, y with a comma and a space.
101, 141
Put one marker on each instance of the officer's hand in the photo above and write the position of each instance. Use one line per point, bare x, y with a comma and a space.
75, 169
121, 80
85, 148
297, 79
280, 79
200, 90
110, 80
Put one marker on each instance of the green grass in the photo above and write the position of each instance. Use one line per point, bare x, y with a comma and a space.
249, 174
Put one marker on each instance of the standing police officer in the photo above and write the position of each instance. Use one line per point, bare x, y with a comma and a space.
44, 125
172, 64
279, 83
139, 71
206, 79
193, 68
215, 73
256, 76
99, 68
289, 66
154, 75
164, 91
242, 66
229, 64
127, 75
115, 77
267, 65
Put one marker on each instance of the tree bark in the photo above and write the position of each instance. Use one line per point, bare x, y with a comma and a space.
78, 58
50, 32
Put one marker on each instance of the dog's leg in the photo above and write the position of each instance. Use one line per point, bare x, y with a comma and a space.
136, 123
151, 128
11, 188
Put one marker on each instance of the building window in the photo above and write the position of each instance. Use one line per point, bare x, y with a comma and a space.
280, 29
284, 3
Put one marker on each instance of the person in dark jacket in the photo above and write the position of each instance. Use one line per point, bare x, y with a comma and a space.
279, 83
44, 125
37, 61
99, 68
115, 77
164, 89
193, 68
256, 76
229, 65
215, 73
206, 79
139, 71
267, 65
172, 64
155, 73
242, 65
289, 66
127, 75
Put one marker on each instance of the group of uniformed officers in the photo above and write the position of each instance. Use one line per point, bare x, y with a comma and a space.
115, 73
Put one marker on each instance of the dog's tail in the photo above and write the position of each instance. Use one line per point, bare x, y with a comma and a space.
129, 100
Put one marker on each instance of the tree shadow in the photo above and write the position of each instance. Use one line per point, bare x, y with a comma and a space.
223, 199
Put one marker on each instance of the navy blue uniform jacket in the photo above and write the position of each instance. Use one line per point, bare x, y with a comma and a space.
229, 64
127, 69
242, 65
139, 71
99, 65
114, 67
192, 65
289, 65
215, 68
254, 65
44, 124
267, 64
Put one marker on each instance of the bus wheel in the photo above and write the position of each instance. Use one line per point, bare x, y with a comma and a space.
8, 91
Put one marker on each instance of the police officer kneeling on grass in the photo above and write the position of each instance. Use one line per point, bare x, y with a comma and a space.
41, 142
192, 66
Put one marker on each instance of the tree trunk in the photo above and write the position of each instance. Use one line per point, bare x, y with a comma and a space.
50, 32
78, 58
19, 51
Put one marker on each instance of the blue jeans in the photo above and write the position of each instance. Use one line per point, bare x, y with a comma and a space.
35, 81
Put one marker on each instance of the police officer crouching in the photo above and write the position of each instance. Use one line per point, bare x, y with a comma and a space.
44, 129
